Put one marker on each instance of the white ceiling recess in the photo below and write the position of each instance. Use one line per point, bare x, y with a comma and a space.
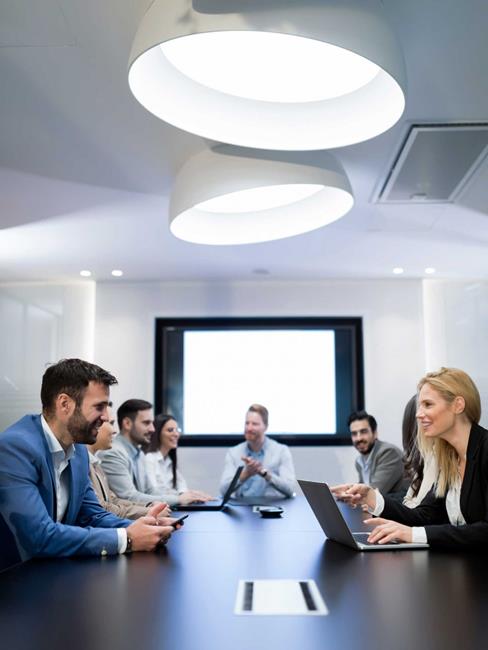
435, 163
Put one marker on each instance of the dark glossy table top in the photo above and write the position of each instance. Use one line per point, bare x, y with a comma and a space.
183, 597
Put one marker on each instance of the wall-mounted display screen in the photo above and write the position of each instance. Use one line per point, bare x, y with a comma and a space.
306, 371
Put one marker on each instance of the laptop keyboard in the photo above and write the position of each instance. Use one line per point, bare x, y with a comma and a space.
362, 538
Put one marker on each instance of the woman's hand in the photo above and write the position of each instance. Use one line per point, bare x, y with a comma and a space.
356, 494
388, 531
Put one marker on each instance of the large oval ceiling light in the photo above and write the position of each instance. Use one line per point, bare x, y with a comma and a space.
228, 196
273, 74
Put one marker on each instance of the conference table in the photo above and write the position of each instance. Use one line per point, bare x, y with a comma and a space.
183, 596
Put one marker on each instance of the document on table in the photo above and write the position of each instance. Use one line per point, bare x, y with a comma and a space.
279, 597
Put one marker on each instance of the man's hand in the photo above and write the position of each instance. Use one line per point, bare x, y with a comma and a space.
158, 510
193, 496
252, 467
388, 531
169, 521
356, 494
165, 512
146, 534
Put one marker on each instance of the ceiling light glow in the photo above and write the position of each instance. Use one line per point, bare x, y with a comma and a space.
398, 270
281, 78
269, 67
117, 273
259, 198
85, 273
430, 270
227, 196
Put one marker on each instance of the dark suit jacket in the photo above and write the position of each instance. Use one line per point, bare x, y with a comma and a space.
28, 526
432, 513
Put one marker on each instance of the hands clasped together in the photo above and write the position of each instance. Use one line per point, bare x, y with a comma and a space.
252, 466
385, 530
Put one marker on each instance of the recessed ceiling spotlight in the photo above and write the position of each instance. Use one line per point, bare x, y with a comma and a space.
398, 270
85, 274
283, 77
117, 273
429, 270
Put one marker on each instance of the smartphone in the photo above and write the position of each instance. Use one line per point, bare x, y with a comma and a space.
179, 522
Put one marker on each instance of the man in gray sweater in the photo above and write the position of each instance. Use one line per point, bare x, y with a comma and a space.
379, 464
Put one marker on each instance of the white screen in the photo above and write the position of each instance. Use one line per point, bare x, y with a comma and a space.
290, 372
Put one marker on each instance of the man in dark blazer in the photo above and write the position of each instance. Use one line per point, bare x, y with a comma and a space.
47, 505
379, 464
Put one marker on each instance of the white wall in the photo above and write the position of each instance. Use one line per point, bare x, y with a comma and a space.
39, 324
409, 327
456, 325
393, 347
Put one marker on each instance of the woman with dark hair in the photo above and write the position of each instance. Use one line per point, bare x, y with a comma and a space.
162, 463
455, 513
419, 471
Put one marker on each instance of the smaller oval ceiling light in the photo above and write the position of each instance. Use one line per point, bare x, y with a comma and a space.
270, 74
228, 195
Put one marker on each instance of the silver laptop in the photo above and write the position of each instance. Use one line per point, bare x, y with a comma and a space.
334, 525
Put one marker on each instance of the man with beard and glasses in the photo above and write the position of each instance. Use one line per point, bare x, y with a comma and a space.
379, 464
47, 505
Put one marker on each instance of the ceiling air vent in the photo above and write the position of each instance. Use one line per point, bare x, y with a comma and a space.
434, 163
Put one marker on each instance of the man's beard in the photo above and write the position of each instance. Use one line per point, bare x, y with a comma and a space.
365, 450
81, 430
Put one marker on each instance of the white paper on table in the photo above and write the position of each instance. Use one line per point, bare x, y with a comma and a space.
279, 597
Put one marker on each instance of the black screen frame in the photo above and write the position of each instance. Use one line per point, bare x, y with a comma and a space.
349, 365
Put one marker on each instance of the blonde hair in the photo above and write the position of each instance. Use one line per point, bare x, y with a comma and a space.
449, 383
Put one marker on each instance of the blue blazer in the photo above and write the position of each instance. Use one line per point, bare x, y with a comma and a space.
28, 526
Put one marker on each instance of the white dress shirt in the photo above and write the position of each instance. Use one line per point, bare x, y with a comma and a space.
160, 473
61, 460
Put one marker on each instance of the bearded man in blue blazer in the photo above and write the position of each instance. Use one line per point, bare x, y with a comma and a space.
47, 505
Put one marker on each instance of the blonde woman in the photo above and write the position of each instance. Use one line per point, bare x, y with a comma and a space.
455, 513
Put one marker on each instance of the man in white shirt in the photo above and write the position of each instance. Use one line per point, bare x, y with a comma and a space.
268, 465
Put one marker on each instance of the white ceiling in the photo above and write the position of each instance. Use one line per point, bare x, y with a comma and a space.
85, 171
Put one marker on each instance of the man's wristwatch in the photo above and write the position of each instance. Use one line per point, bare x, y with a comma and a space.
263, 473
128, 548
